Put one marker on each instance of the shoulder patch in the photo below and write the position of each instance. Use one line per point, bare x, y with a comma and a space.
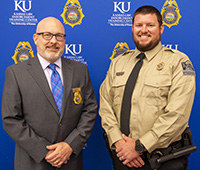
187, 68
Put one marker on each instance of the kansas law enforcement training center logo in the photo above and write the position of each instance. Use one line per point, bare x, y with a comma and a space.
23, 52
120, 48
72, 13
22, 14
171, 13
121, 15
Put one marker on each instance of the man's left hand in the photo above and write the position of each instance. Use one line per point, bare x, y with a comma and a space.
58, 154
127, 153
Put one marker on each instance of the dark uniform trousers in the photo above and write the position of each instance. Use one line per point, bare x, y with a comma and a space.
180, 163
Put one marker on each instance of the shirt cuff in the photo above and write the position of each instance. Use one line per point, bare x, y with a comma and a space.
149, 140
113, 136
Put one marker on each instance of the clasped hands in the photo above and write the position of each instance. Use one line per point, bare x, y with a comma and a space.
58, 154
125, 149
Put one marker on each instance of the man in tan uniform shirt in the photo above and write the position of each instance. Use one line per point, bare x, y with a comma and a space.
161, 101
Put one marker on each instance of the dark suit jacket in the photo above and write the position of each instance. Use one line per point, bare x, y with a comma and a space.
32, 120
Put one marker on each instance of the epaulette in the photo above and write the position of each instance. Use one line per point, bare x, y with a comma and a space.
127, 52
169, 49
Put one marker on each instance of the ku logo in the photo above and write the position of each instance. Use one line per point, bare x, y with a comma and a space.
171, 46
73, 49
23, 5
120, 6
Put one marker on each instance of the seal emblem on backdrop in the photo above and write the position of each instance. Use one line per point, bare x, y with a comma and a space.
23, 52
120, 48
170, 13
72, 13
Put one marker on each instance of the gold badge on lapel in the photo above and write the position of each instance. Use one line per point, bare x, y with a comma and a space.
160, 66
77, 95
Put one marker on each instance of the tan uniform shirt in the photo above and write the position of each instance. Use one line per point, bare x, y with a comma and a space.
161, 101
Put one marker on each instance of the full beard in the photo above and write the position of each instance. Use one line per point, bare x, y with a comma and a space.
148, 46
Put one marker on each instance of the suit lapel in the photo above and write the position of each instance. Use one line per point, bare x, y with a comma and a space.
67, 71
36, 71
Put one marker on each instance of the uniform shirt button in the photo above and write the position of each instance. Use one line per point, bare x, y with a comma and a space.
60, 124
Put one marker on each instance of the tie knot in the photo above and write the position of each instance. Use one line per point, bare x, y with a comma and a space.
141, 56
52, 67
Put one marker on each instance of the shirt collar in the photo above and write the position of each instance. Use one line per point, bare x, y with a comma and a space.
151, 53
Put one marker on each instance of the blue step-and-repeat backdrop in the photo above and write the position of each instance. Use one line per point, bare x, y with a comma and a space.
97, 31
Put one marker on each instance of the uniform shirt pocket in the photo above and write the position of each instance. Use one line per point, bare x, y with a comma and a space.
118, 91
118, 87
156, 89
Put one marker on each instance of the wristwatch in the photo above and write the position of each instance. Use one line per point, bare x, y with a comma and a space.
139, 147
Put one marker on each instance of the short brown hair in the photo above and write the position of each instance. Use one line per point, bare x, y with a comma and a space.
148, 10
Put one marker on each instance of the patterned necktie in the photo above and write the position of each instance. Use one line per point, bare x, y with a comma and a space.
57, 87
126, 102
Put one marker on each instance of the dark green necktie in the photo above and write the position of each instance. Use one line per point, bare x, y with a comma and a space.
126, 102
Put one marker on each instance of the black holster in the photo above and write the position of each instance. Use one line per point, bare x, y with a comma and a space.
184, 147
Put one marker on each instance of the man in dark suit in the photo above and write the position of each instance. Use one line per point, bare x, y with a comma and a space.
48, 135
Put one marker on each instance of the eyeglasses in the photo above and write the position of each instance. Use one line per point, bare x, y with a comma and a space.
49, 36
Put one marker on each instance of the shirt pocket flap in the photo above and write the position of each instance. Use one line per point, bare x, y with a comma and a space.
158, 81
